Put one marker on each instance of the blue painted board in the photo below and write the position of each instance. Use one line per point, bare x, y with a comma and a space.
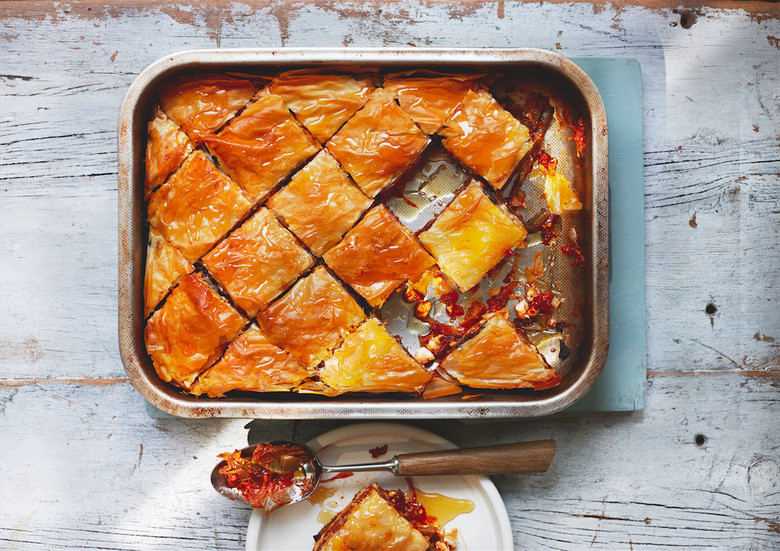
622, 385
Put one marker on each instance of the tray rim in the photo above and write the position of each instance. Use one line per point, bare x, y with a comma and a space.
175, 403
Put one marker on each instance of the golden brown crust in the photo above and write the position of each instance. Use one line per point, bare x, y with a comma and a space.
428, 100
190, 330
164, 266
262, 146
378, 144
251, 363
202, 103
257, 262
309, 320
166, 148
486, 138
322, 102
370, 523
377, 256
499, 357
371, 360
471, 236
197, 206
320, 203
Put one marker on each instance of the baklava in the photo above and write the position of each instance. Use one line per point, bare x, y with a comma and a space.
190, 330
377, 256
377, 520
310, 320
471, 236
166, 148
499, 356
257, 262
378, 144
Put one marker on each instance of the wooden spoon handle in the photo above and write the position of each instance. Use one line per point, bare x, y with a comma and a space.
522, 457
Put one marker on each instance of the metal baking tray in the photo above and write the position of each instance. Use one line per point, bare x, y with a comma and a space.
588, 336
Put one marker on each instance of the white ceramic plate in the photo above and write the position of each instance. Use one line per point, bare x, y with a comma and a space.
292, 528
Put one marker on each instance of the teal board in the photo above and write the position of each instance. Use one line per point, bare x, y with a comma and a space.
622, 384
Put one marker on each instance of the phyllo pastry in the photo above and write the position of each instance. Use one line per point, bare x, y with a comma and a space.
257, 262
190, 331
377, 256
310, 319
197, 206
262, 146
499, 356
486, 138
251, 363
378, 144
322, 102
429, 98
371, 360
376, 520
166, 148
201, 104
471, 236
164, 266
320, 203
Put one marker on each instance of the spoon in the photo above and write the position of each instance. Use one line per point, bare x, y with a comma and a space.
520, 457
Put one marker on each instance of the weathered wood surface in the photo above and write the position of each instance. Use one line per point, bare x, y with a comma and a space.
84, 466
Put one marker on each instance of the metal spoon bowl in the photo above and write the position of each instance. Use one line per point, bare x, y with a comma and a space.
521, 457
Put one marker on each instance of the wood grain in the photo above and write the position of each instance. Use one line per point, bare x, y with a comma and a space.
519, 457
85, 467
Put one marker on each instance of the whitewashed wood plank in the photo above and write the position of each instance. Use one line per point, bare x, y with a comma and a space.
85, 467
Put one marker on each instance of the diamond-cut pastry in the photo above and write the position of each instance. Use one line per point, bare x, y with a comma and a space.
310, 319
371, 360
257, 262
197, 206
371, 523
377, 256
499, 357
201, 104
190, 330
262, 146
378, 144
322, 102
429, 98
164, 266
486, 138
320, 203
471, 236
251, 363
166, 148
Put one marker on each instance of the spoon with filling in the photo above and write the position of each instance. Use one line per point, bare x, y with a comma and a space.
270, 475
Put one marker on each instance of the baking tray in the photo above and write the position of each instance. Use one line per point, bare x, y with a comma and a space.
592, 324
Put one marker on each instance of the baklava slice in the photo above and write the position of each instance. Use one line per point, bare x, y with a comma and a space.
322, 103
197, 206
164, 266
251, 363
262, 146
377, 256
201, 104
378, 144
371, 360
166, 148
377, 520
429, 98
486, 138
190, 330
499, 356
320, 203
310, 319
257, 262
471, 236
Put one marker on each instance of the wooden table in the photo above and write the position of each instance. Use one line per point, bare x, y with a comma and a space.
84, 466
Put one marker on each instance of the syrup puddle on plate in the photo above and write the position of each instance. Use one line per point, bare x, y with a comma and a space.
443, 508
